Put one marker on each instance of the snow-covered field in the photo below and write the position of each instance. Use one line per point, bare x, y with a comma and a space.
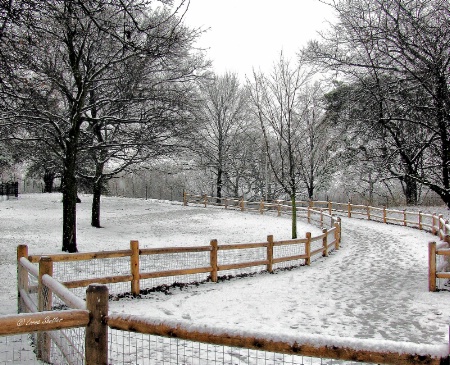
375, 287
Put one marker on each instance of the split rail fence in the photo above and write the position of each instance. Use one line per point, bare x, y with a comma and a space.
439, 253
71, 324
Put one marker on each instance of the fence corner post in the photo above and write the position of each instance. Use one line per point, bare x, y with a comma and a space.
44, 294
214, 260
325, 242
134, 266
308, 249
96, 341
432, 266
270, 253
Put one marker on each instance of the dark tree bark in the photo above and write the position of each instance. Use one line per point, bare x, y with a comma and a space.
49, 178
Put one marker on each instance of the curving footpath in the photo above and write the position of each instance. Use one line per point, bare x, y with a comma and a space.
374, 287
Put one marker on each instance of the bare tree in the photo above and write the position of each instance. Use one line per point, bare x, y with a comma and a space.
407, 43
61, 52
277, 104
223, 119
316, 163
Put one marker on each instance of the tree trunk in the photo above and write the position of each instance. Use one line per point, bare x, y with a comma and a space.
294, 216
96, 198
219, 184
49, 177
97, 189
410, 190
70, 201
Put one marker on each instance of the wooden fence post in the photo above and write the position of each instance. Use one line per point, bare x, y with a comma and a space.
242, 204
270, 253
44, 294
185, 200
22, 276
432, 266
433, 223
96, 341
325, 243
349, 209
226, 203
321, 217
420, 220
308, 249
134, 266
44, 304
309, 214
330, 207
368, 213
214, 260
336, 235
205, 199
261, 206
404, 218
384, 215
279, 208
440, 217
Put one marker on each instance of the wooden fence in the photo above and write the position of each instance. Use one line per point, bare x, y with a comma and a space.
310, 246
93, 315
315, 346
36, 305
439, 254
38, 290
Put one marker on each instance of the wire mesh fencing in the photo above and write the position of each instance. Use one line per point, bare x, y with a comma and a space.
18, 349
25, 348
145, 349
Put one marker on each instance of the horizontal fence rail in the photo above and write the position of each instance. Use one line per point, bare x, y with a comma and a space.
315, 346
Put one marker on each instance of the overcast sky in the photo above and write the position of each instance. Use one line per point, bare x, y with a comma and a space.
251, 33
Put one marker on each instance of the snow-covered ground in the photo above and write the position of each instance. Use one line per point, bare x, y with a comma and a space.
374, 287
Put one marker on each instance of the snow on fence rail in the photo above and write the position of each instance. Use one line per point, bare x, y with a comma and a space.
313, 346
439, 254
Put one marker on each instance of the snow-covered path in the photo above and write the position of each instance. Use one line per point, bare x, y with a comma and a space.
375, 287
